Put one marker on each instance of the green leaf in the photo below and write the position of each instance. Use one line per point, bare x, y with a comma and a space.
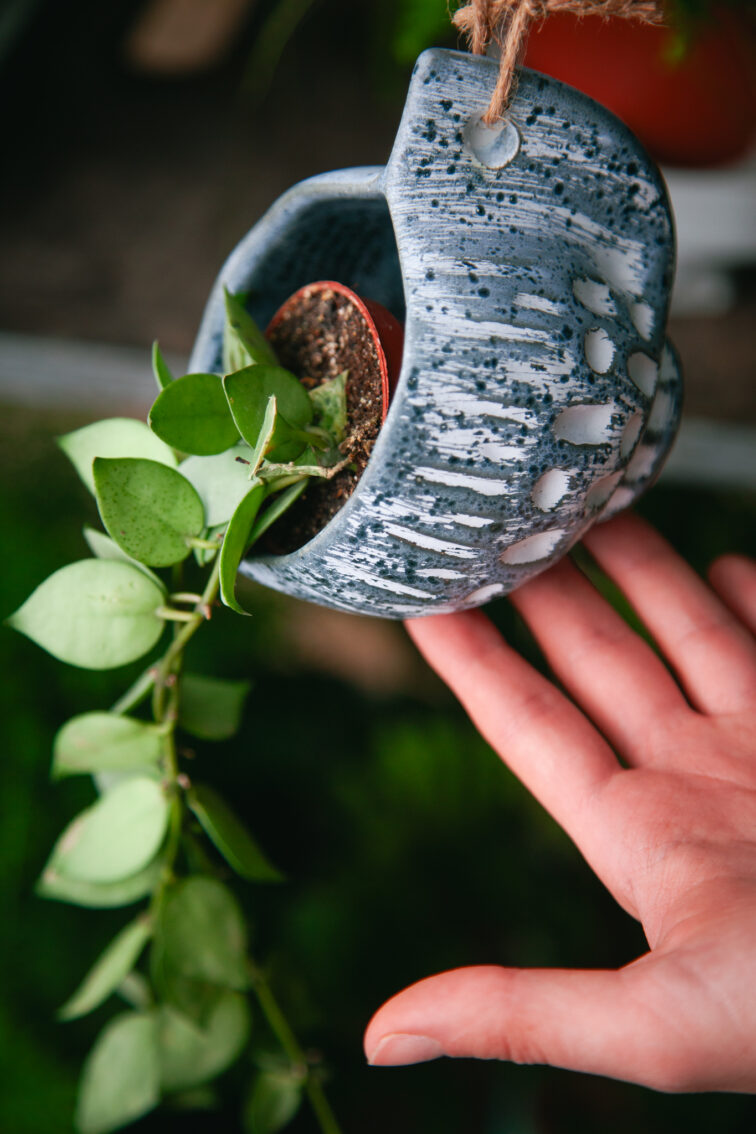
230, 836
105, 781
243, 341
109, 970
135, 990
192, 415
248, 392
221, 482
98, 742
116, 837
190, 1056
114, 437
99, 895
103, 547
265, 436
235, 543
202, 933
211, 707
152, 512
273, 1101
276, 508
330, 402
162, 374
194, 999
95, 613
121, 1077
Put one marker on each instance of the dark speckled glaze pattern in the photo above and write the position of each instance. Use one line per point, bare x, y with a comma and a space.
537, 393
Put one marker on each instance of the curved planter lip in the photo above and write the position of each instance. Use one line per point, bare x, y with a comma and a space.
360, 182
425, 530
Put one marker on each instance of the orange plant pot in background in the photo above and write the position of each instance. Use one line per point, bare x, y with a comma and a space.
698, 110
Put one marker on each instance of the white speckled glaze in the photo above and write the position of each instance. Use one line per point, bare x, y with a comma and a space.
537, 392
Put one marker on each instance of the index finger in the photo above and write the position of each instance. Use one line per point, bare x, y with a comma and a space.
711, 651
539, 734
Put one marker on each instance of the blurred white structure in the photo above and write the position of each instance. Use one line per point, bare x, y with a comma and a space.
715, 217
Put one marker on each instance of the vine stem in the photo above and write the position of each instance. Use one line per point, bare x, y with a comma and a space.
182, 637
136, 693
165, 712
148, 679
279, 1025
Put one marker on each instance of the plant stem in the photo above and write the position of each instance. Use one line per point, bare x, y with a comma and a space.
136, 693
279, 1025
207, 598
171, 615
204, 544
164, 680
160, 670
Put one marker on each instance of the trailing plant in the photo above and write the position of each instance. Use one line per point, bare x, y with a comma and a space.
221, 459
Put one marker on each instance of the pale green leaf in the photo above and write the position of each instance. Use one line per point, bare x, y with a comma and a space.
190, 1055
104, 781
249, 391
135, 990
95, 613
192, 415
103, 547
121, 1077
99, 895
114, 437
116, 837
202, 933
243, 341
235, 543
98, 742
222, 482
273, 1101
194, 999
152, 512
211, 707
109, 970
230, 836
160, 369
330, 402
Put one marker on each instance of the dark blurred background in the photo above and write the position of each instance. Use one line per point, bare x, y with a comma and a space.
140, 143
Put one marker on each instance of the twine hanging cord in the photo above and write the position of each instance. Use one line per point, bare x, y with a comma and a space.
507, 23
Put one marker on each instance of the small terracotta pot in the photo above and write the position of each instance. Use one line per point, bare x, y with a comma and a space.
385, 331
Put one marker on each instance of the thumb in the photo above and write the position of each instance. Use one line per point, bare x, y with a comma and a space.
590, 1021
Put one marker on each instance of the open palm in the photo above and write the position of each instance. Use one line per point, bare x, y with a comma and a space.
656, 784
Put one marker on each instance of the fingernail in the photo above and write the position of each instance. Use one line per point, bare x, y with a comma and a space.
399, 1049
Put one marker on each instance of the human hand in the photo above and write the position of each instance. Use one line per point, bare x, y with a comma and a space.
672, 834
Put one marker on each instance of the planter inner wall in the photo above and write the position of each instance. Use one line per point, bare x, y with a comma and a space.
351, 241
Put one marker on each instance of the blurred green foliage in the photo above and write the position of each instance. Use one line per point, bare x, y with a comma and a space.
407, 846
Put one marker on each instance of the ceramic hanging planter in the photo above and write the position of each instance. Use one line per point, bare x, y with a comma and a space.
531, 265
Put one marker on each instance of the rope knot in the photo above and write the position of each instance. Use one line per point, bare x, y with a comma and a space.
507, 23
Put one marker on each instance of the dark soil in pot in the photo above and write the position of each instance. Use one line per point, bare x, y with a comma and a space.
323, 330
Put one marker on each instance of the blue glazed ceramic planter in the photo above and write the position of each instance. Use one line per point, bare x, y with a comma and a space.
532, 266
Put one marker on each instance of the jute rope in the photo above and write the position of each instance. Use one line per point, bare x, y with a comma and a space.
507, 23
